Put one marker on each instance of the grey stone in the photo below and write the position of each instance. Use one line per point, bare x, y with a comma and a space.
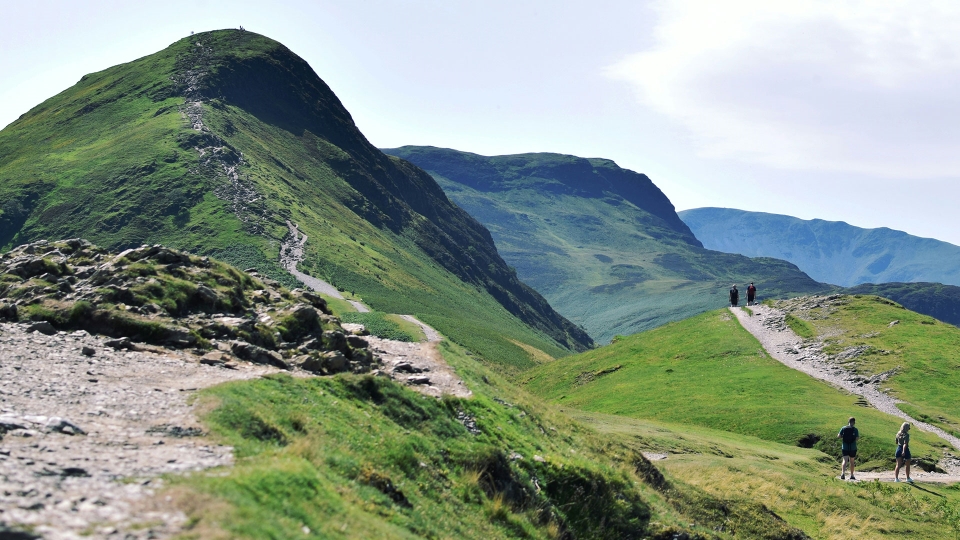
43, 327
334, 362
8, 312
357, 342
88, 351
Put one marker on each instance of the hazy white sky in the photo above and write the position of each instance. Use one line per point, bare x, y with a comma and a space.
835, 110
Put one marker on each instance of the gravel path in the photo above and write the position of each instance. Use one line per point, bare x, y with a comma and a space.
432, 335
291, 253
768, 326
420, 366
85, 436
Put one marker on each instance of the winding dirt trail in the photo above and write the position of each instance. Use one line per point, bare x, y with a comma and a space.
785, 346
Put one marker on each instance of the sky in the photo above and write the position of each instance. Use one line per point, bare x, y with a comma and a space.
845, 111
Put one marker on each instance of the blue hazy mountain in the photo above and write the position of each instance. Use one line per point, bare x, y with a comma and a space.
828, 251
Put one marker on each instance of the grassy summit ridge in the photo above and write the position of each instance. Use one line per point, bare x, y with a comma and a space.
214, 143
603, 244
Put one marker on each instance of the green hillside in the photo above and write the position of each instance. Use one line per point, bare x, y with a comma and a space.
708, 371
829, 251
215, 143
918, 352
362, 457
603, 244
934, 299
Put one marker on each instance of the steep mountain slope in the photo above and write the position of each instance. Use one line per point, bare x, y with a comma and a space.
602, 243
214, 144
829, 251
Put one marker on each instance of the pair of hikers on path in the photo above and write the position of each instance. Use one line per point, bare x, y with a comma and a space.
848, 449
735, 295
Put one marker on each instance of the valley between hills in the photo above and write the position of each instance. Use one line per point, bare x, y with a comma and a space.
225, 314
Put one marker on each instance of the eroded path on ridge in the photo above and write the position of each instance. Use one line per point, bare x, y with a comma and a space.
782, 344
418, 364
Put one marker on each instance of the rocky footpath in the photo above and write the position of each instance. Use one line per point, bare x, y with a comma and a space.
86, 429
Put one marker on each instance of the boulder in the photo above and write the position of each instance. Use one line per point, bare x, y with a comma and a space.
357, 342
120, 343
315, 300
257, 355
8, 312
43, 327
206, 294
334, 340
355, 329
334, 362
214, 358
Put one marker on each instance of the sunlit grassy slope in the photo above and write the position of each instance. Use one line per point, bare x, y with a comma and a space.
798, 484
708, 371
922, 352
118, 158
362, 457
603, 244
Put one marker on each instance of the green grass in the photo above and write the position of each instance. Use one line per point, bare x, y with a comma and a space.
796, 483
921, 350
380, 325
362, 457
799, 326
708, 371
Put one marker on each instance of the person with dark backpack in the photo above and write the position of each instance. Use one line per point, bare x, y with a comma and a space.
848, 448
751, 294
734, 296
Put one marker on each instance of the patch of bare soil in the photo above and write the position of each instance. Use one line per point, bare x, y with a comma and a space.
86, 430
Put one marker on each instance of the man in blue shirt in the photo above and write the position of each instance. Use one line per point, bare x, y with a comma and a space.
848, 448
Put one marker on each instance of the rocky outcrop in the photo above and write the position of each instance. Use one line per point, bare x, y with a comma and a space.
154, 295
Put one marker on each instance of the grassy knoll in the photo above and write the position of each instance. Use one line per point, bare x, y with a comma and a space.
921, 352
708, 371
796, 483
362, 457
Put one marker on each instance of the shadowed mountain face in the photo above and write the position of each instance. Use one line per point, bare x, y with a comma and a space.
215, 143
602, 243
829, 251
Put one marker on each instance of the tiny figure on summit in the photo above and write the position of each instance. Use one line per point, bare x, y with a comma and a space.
848, 448
751, 294
734, 296
903, 452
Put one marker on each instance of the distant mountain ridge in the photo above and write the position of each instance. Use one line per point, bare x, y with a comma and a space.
603, 244
213, 144
829, 251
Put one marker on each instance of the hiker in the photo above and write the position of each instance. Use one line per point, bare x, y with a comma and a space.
734, 296
848, 449
903, 452
751, 294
